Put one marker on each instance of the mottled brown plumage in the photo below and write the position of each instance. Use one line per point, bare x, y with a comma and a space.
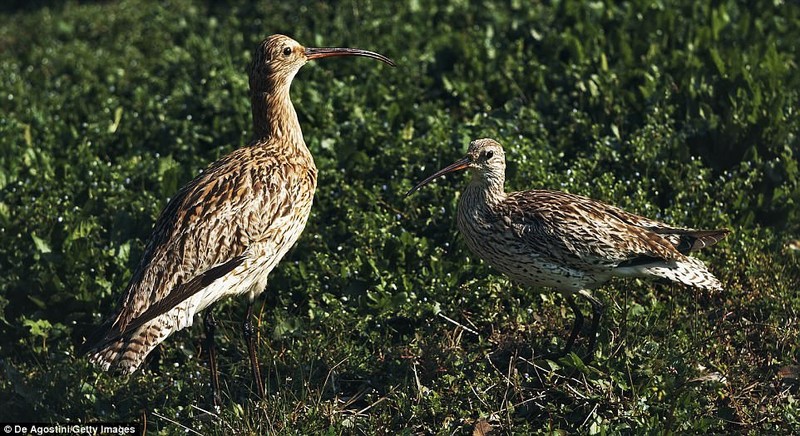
225, 230
566, 241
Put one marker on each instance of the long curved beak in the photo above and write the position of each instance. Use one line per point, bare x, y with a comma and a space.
325, 52
455, 166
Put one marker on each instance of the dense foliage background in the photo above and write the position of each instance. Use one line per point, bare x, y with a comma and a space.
379, 321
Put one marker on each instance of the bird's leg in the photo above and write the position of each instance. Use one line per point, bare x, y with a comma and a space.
211, 326
597, 312
249, 336
576, 326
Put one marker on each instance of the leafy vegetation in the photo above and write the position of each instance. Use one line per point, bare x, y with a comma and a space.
379, 321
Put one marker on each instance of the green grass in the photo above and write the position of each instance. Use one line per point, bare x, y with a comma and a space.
683, 111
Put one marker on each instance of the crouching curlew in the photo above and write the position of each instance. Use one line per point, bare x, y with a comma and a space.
568, 242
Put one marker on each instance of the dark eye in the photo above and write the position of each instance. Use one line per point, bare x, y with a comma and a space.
488, 155
287, 51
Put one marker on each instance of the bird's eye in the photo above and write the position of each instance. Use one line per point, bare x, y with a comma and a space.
287, 51
488, 155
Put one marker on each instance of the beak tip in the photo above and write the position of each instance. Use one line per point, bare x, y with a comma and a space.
455, 166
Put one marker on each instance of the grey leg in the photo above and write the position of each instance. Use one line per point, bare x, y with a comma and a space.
576, 326
597, 313
211, 326
249, 336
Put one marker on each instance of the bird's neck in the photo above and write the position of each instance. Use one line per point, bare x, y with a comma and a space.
486, 189
274, 116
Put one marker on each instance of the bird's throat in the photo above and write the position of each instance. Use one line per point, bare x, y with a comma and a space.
486, 188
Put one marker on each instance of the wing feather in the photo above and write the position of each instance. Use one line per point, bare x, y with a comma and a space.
204, 233
587, 230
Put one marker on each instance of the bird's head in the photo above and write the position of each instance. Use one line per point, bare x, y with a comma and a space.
278, 58
486, 160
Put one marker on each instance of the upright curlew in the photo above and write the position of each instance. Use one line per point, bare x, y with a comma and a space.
568, 242
225, 230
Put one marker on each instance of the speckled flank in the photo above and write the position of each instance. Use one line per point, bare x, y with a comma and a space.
241, 215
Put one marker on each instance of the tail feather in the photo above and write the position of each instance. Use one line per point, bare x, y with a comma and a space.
688, 270
125, 354
120, 356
